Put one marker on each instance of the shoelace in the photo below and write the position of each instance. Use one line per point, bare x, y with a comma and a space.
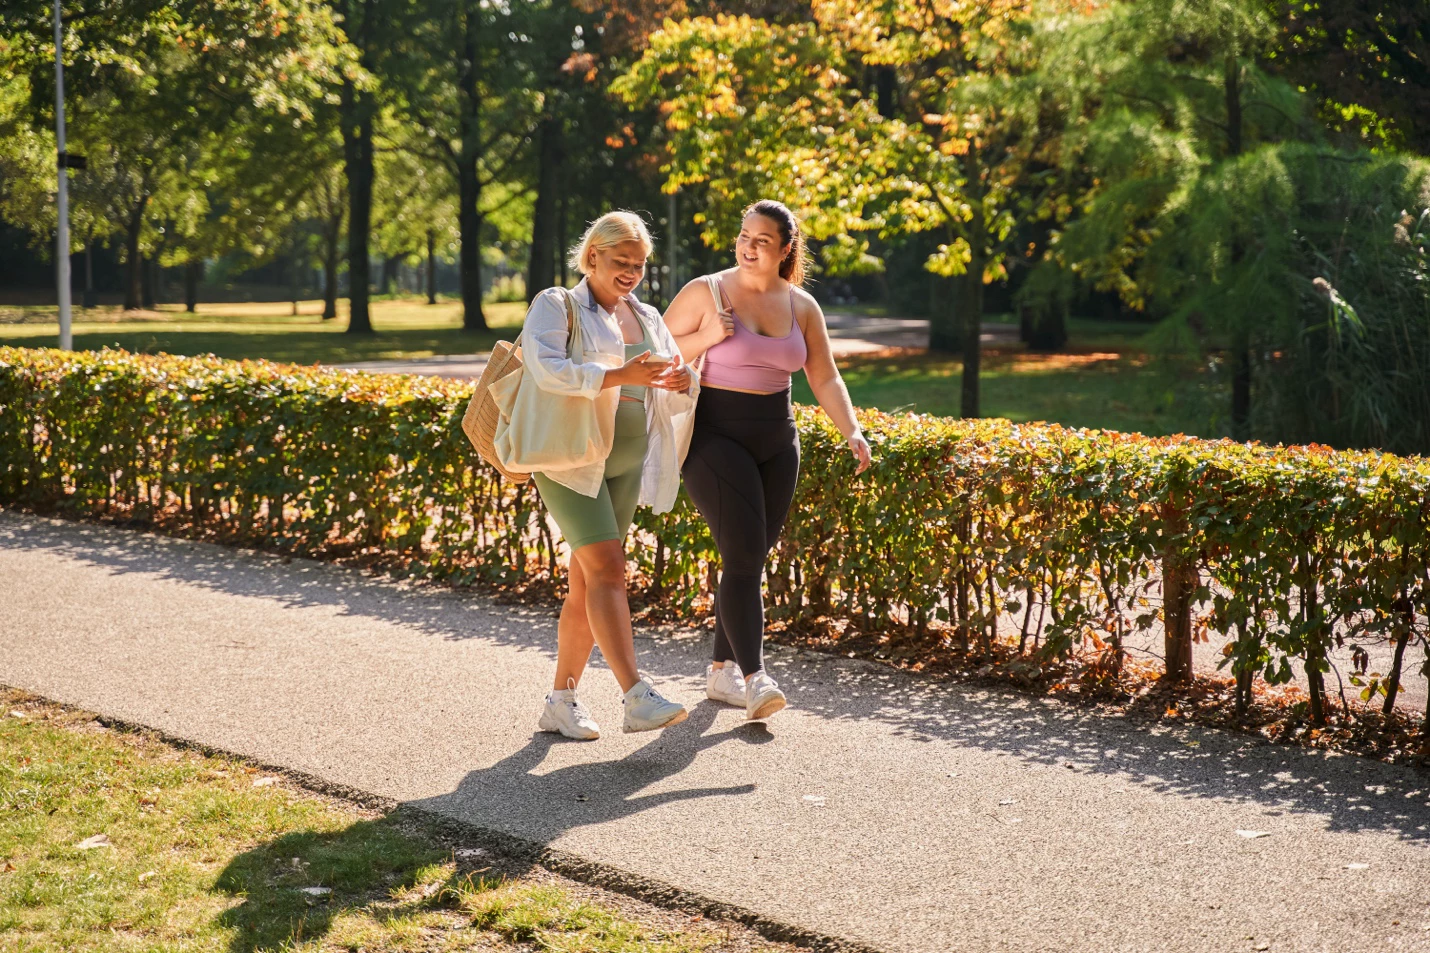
579, 710
762, 682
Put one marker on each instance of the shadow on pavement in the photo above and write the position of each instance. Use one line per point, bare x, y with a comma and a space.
513, 795
379, 867
1349, 793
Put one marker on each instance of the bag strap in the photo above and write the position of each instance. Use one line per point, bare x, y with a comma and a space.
573, 327
713, 284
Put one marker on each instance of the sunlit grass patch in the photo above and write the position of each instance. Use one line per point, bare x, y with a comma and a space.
405, 327
110, 841
1104, 380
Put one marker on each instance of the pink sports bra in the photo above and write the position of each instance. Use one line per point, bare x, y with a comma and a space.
749, 361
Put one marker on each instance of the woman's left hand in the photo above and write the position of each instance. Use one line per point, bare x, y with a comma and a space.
677, 377
860, 448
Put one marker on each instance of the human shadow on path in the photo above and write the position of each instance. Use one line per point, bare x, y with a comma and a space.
1352, 794
515, 797
380, 867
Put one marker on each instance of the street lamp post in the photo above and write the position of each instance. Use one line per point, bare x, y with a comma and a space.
62, 238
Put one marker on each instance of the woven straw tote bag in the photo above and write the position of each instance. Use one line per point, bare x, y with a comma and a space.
479, 422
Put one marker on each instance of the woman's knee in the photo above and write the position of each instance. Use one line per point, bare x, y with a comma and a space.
602, 565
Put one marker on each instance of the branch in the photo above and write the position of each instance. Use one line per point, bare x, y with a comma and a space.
505, 164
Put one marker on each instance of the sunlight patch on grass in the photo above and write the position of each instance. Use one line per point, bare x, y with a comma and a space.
403, 328
110, 841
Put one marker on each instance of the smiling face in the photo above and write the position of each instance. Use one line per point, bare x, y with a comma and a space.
615, 270
760, 247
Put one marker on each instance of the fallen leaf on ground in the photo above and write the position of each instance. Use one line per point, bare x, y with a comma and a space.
316, 891
1254, 834
98, 840
147, 875
265, 782
17, 714
471, 852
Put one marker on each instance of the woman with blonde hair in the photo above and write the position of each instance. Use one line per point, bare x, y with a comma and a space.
755, 326
631, 368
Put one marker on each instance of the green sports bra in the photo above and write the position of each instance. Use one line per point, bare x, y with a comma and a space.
637, 391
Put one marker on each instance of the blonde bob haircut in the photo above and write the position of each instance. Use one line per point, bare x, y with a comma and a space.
610, 229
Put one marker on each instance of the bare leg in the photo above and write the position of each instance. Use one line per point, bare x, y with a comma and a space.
608, 613
574, 640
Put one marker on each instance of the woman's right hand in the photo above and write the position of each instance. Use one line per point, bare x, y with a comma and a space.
639, 370
719, 328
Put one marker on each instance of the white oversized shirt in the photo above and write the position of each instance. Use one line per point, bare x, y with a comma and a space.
670, 415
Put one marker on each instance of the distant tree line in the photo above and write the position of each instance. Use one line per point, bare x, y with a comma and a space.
1248, 173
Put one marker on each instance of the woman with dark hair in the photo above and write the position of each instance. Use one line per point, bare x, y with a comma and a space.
754, 326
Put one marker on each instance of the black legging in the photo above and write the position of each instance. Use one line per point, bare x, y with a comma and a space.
741, 472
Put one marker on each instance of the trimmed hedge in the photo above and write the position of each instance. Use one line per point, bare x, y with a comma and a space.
980, 530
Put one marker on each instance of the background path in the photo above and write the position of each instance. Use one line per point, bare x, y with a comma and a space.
849, 334
906, 814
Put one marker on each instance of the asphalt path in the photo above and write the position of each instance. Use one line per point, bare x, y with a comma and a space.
849, 335
901, 813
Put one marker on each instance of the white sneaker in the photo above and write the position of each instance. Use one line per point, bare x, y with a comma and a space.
565, 714
725, 684
647, 709
762, 696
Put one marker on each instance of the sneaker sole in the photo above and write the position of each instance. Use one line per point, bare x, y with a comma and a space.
542, 726
727, 699
683, 714
766, 708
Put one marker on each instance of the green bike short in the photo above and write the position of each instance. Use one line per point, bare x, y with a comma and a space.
607, 515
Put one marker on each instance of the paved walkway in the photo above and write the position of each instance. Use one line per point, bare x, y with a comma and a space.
905, 814
849, 335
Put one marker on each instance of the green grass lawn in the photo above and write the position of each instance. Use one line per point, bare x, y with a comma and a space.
113, 842
1106, 390
405, 328
1105, 380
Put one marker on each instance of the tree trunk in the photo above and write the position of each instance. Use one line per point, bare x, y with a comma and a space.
1404, 625
330, 275
943, 315
970, 314
133, 265
1048, 327
1241, 391
886, 88
295, 279
541, 267
561, 242
147, 282
431, 267
89, 300
1179, 584
389, 273
357, 152
1241, 350
469, 185
193, 271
